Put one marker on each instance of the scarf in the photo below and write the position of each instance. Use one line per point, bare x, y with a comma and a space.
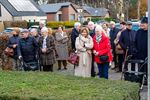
98, 38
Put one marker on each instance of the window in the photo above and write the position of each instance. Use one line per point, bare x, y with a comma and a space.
59, 17
72, 17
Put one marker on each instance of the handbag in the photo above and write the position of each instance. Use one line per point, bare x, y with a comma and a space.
73, 59
9, 52
118, 49
103, 58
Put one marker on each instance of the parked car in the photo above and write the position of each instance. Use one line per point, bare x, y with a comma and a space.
34, 26
10, 29
135, 25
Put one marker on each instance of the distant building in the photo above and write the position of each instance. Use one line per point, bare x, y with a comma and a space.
15, 10
90, 12
60, 11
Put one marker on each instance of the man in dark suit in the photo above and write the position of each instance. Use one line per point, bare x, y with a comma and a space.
141, 42
113, 34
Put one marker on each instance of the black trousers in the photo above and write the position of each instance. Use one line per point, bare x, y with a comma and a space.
120, 61
92, 67
48, 68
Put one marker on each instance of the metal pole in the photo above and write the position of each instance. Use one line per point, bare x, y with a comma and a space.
148, 50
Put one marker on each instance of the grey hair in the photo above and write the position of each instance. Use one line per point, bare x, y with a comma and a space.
33, 30
44, 29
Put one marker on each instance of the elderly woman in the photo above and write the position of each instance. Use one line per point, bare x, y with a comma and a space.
47, 50
106, 29
102, 51
61, 47
75, 33
84, 44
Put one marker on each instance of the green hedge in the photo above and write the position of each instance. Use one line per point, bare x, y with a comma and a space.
22, 24
54, 24
52, 86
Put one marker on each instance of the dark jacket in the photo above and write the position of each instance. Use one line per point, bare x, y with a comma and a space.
13, 40
113, 34
47, 58
92, 32
127, 40
141, 44
74, 35
28, 48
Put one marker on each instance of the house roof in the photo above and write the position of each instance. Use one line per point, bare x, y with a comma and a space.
16, 10
53, 8
96, 11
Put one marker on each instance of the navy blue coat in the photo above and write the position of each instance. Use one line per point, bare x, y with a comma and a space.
127, 40
74, 35
13, 40
113, 34
92, 32
28, 49
141, 44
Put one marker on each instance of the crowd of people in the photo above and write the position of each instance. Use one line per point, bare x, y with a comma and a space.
101, 44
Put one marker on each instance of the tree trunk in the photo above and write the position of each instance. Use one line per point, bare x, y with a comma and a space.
138, 9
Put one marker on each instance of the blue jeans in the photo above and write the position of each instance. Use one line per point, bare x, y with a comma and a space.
103, 70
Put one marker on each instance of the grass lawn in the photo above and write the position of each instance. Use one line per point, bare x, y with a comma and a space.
52, 86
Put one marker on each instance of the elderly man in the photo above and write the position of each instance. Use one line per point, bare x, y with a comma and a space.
127, 39
91, 27
27, 49
75, 33
141, 42
113, 34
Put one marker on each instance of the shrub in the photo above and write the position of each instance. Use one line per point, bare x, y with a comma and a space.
3, 42
22, 24
7, 24
52, 86
1, 26
55, 25
69, 24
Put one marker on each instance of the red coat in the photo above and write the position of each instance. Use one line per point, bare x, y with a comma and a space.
103, 48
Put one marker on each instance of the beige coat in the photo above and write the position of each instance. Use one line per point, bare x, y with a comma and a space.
84, 68
61, 46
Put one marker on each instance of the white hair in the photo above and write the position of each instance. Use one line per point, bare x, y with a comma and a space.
90, 23
44, 29
99, 28
33, 30
76, 24
112, 22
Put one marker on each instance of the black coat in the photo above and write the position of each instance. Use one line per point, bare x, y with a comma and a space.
141, 44
74, 35
113, 34
28, 49
127, 40
92, 32
13, 40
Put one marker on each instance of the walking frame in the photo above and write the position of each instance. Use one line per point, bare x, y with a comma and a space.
138, 65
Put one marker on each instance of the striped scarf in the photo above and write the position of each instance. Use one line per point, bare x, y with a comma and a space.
98, 38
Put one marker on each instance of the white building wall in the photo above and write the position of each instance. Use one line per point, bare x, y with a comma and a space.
31, 18
5, 15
